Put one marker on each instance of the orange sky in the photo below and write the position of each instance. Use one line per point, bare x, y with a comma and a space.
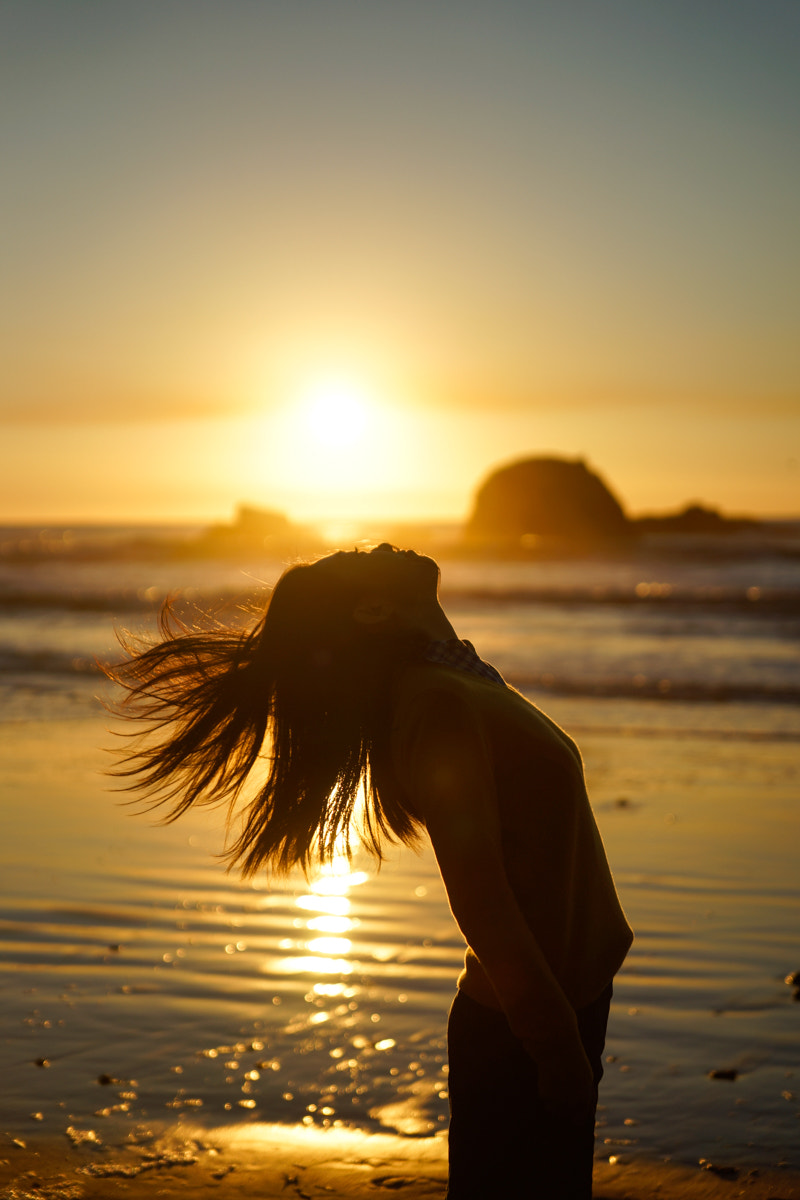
342, 259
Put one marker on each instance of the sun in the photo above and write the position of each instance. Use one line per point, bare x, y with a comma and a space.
337, 447
336, 412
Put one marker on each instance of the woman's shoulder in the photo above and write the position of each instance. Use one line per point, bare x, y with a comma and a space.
437, 695
426, 688
431, 693
422, 680
437, 720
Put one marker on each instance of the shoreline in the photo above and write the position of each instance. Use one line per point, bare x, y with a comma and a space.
273, 1162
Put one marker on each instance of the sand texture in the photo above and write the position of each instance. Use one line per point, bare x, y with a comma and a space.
274, 1163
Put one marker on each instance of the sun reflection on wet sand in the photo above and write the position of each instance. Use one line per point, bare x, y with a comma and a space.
330, 945
328, 897
332, 924
324, 904
333, 989
338, 884
348, 1156
310, 964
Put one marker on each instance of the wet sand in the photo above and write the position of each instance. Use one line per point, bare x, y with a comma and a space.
130, 956
272, 1162
97, 902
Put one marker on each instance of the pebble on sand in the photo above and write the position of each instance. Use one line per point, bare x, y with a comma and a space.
722, 1172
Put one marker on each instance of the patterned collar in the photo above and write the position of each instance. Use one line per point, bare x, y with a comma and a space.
463, 656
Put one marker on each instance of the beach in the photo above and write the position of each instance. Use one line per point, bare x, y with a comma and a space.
272, 1163
289, 1039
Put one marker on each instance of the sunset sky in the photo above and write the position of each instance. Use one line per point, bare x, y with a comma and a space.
342, 257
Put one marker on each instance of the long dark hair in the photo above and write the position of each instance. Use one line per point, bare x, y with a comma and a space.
307, 688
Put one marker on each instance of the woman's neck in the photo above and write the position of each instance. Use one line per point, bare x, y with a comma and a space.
431, 620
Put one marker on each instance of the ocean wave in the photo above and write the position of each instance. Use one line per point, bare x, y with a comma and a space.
752, 600
14, 661
115, 600
46, 664
639, 687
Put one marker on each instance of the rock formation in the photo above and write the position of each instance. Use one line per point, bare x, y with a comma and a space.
694, 519
541, 501
256, 530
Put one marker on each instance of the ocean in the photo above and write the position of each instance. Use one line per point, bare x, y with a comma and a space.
143, 986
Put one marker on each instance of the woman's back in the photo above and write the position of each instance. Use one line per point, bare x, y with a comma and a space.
519, 777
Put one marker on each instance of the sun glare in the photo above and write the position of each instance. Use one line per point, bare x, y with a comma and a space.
336, 412
334, 448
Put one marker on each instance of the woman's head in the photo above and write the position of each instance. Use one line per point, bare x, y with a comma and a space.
336, 634
348, 608
311, 684
369, 585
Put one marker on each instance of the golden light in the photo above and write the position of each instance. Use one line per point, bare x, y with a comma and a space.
337, 412
333, 447
337, 885
327, 897
335, 879
330, 924
333, 989
311, 964
335, 905
329, 946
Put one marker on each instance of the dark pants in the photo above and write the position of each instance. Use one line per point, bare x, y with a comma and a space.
504, 1144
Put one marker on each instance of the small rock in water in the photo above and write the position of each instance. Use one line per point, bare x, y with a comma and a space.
722, 1172
82, 1137
180, 1156
293, 1181
225, 1171
724, 1073
112, 1170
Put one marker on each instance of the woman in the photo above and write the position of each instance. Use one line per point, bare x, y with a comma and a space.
355, 674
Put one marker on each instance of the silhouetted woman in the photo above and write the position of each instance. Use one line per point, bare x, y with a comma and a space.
355, 675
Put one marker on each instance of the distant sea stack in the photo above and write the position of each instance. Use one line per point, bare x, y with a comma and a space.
257, 531
696, 519
538, 503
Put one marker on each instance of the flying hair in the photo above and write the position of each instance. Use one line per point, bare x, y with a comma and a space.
297, 705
